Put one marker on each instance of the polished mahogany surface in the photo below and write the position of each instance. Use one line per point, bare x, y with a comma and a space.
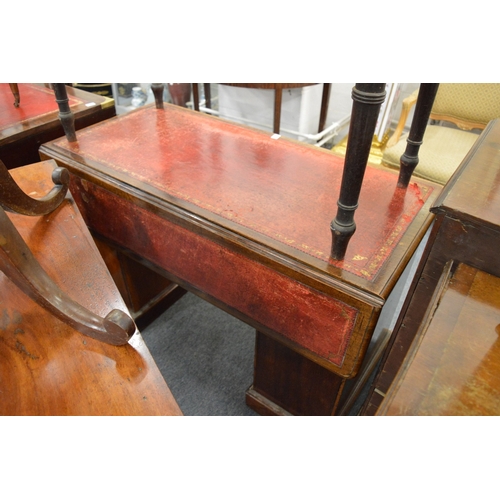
474, 193
454, 365
261, 187
47, 367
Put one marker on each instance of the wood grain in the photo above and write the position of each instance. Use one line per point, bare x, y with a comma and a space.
47, 367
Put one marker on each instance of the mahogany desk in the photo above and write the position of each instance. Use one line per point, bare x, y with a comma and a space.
443, 357
243, 220
47, 367
35, 121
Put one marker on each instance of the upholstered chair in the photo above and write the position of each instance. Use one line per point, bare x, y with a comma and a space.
461, 110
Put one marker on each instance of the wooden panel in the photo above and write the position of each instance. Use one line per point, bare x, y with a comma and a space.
47, 367
290, 381
454, 365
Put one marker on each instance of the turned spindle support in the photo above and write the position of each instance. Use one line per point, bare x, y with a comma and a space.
367, 99
157, 89
409, 159
15, 91
65, 114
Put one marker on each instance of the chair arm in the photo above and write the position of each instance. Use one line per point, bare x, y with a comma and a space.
405, 111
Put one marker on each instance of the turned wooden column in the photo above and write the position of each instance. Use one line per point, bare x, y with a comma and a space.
157, 89
14, 88
367, 99
65, 114
409, 159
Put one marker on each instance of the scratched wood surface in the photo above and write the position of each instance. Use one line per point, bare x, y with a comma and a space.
48, 368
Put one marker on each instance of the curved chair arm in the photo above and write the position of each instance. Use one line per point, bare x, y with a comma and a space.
408, 103
14, 199
20, 266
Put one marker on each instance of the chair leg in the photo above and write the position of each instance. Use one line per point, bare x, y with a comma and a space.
367, 99
208, 96
325, 100
196, 97
278, 96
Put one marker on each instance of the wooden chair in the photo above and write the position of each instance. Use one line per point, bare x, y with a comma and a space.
245, 221
466, 107
67, 343
278, 95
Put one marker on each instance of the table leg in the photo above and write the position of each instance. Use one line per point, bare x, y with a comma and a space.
287, 383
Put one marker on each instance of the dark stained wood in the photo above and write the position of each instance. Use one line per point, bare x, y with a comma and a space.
157, 89
243, 221
208, 95
453, 367
325, 100
285, 379
49, 368
367, 99
65, 114
35, 121
466, 230
145, 291
409, 159
196, 97
14, 87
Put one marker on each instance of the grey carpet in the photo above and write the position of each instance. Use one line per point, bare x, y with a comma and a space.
205, 355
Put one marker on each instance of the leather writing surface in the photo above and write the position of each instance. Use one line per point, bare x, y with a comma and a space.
279, 189
36, 101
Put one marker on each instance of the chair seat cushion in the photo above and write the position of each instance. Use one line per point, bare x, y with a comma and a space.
441, 153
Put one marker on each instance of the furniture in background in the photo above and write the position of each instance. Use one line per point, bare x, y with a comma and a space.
243, 219
54, 287
36, 120
467, 107
444, 357
278, 94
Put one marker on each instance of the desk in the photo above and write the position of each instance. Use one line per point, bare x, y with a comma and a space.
47, 367
243, 220
457, 276
36, 120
